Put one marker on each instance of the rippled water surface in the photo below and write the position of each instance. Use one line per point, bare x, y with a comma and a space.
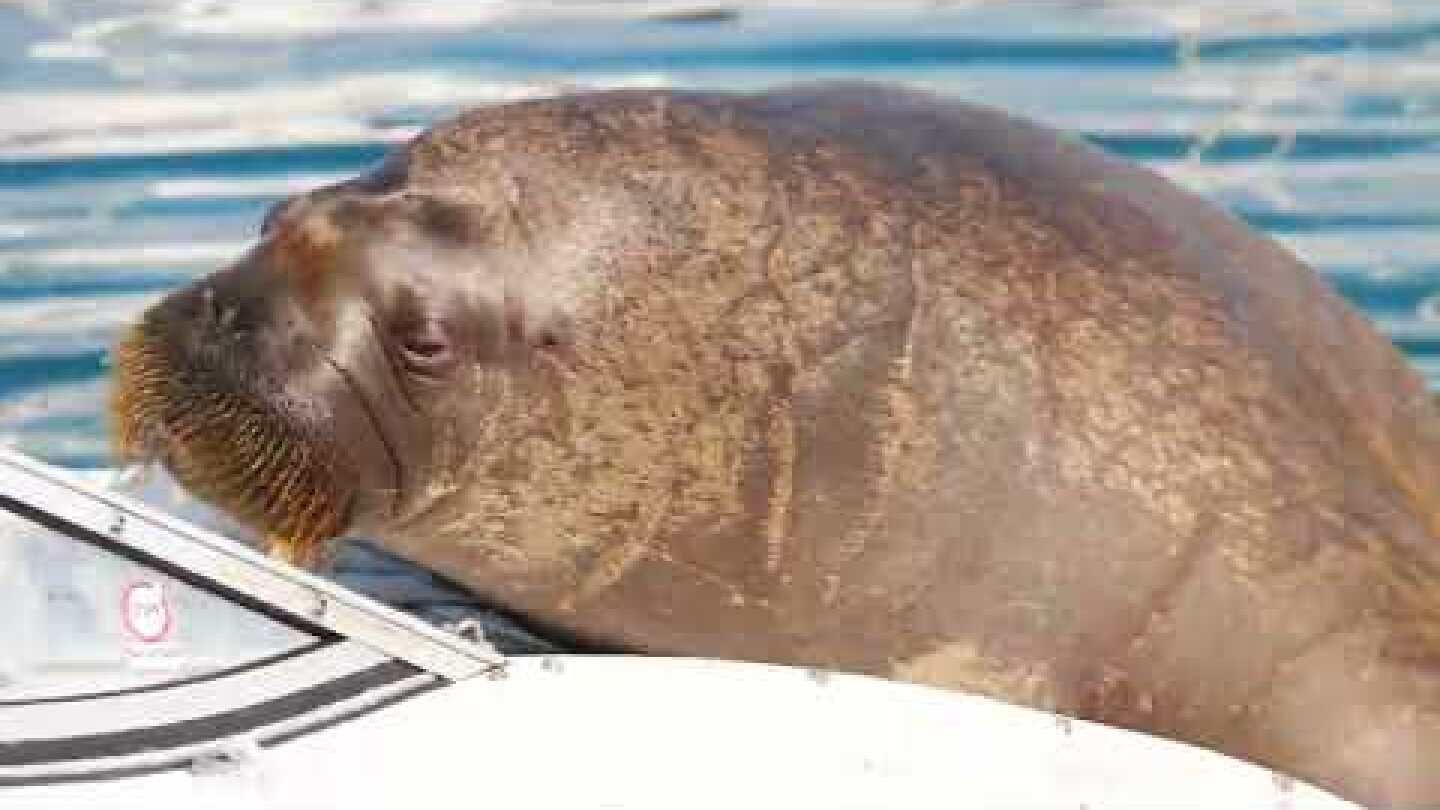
141, 141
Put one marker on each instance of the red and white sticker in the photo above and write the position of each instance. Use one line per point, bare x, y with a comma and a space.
146, 612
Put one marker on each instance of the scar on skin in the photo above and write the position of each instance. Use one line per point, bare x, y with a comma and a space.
962, 664
615, 562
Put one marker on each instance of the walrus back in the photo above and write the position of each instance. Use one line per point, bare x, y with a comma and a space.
1118, 213
1212, 424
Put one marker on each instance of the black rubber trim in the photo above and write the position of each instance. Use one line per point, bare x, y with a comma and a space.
184, 761
205, 727
63, 526
194, 679
330, 722
92, 776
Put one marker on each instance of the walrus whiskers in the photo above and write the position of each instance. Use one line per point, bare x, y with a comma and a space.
227, 449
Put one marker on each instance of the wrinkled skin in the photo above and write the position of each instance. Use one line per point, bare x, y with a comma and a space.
841, 376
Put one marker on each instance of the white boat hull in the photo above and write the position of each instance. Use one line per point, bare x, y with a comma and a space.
621, 732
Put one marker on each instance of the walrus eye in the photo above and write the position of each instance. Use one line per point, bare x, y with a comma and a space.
426, 348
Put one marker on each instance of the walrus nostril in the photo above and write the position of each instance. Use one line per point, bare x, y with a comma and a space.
209, 310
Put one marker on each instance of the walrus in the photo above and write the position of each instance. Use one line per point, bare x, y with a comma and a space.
841, 376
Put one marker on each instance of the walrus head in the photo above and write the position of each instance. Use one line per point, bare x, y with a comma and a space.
535, 340
476, 354
299, 388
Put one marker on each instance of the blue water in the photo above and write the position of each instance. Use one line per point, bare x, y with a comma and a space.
140, 142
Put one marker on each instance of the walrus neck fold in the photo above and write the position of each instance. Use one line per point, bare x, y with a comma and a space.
392, 456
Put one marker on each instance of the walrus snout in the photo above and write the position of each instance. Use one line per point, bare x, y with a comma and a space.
229, 384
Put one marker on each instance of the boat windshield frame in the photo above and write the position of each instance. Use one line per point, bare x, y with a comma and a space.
90, 514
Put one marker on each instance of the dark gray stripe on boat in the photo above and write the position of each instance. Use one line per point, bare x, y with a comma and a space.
151, 761
62, 720
203, 727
